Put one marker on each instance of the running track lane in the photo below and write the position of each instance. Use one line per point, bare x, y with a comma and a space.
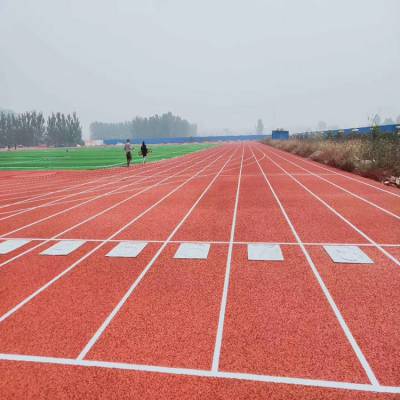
20, 279
110, 175
261, 389
171, 318
317, 167
368, 295
313, 221
122, 177
93, 285
158, 225
21, 380
385, 200
259, 218
366, 217
63, 220
31, 288
279, 323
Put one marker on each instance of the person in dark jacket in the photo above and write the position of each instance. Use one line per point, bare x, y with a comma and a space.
144, 150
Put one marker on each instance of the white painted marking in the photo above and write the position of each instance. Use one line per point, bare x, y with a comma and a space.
356, 348
362, 387
193, 251
224, 299
318, 165
371, 203
348, 255
63, 248
76, 205
101, 244
114, 312
103, 211
127, 249
12, 244
338, 214
264, 252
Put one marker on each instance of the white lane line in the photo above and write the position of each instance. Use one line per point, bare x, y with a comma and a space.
61, 190
101, 244
371, 203
356, 348
151, 167
54, 202
224, 299
133, 184
128, 293
359, 231
98, 214
321, 244
316, 164
317, 383
133, 188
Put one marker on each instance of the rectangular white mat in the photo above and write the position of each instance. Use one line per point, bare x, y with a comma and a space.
63, 248
193, 250
264, 252
12, 244
127, 249
347, 254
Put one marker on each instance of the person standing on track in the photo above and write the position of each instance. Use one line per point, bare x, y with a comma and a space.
128, 151
144, 151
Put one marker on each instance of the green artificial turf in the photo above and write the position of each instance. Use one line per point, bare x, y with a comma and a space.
87, 157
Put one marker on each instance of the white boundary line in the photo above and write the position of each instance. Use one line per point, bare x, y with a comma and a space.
371, 203
91, 193
363, 361
129, 173
224, 298
64, 210
95, 215
110, 181
203, 241
90, 252
315, 383
55, 202
50, 184
359, 231
137, 281
320, 166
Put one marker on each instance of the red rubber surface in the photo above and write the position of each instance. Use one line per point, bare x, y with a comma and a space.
277, 320
261, 339
64, 382
368, 296
171, 318
61, 320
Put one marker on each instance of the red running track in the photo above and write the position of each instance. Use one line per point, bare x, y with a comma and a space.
90, 326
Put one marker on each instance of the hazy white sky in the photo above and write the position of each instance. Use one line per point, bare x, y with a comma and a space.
219, 63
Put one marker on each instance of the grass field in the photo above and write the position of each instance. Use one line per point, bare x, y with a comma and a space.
87, 158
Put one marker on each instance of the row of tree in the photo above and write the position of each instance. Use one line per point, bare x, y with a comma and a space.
165, 125
32, 129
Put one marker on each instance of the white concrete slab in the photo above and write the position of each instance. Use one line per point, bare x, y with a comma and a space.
63, 248
193, 250
127, 249
264, 252
12, 244
347, 254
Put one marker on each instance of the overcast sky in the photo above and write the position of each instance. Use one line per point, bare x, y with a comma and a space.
219, 63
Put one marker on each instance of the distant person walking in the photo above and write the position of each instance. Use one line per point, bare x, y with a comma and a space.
128, 151
144, 150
